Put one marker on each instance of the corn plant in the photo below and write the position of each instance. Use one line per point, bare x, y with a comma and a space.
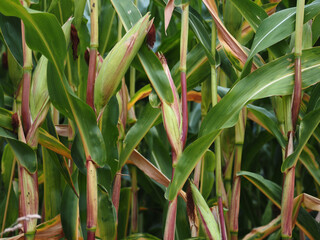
160, 119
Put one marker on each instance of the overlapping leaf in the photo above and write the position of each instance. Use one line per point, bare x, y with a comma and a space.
275, 78
44, 34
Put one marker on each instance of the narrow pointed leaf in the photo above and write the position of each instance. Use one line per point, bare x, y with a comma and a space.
267, 120
142, 93
52, 186
24, 153
277, 78
307, 126
50, 142
110, 132
279, 26
253, 13
187, 162
124, 212
267, 187
208, 220
139, 236
70, 210
11, 32
309, 162
106, 216
137, 132
42, 31
264, 231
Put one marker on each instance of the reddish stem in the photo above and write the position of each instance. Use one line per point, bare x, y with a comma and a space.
184, 107
91, 77
116, 191
221, 218
90, 235
171, 220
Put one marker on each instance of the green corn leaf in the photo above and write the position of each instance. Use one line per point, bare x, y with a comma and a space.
42, 31
117, 62
208, 220
277, 78
267, 187
6, 166
306, 158
187, 162
314, 101
199, 28
315, 29
44, 34
273, 191
70, 210
308, 224
208, 168
232, 19
107, 32
52, 185
139, 236
78, 12
307, 126
129, 15
109, 129
253, 13
267, 120
52, 143
24, 153
279, 26
11, 32
6, 119
124, 212
107, 217
137, 132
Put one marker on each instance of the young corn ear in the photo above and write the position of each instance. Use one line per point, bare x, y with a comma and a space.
117, 62
172, 116
39, 91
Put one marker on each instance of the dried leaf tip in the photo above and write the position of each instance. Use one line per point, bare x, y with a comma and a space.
75, 41
190, 204
151, 36
15, 121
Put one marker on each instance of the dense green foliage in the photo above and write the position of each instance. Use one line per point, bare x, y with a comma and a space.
93, 130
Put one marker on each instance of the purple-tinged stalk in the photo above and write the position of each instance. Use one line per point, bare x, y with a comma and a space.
94, 43
235, 202
289, 176
29, 197
172, 120
183, 70
92, 192
28, 183
217, 143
